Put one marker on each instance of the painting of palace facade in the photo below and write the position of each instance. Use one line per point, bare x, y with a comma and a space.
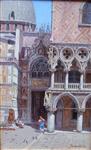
46, 73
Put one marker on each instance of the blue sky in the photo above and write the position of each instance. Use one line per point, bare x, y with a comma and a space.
43, 12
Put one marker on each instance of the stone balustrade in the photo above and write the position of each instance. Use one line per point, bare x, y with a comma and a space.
72, 86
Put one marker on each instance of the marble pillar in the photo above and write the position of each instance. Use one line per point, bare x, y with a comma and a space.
52, 79
79, 121
50, 122
66, 80
81, 81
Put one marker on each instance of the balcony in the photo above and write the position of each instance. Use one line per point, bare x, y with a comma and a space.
73, 86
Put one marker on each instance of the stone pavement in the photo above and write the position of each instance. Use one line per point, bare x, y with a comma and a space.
29, 138
19, 139
63, 141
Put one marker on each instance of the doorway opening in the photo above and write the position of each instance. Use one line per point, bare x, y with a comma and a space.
38, 108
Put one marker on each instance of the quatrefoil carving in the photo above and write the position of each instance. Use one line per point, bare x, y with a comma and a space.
83, 54
67, 54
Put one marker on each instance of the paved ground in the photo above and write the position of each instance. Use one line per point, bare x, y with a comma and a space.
31, 139
19, 139
63, 141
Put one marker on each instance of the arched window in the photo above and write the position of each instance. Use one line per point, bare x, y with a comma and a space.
86, 13
40, 69
74, 76
59, 73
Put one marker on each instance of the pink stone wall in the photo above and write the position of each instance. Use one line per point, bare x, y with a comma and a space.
65, 26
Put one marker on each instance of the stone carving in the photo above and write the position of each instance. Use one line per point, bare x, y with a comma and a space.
47, 100
24, 92
68, 53
82, 54
53, 56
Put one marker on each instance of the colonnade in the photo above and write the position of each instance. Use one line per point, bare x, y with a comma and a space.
66, 79
51, 121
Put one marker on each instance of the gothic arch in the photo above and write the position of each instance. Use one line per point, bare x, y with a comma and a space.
86, 13
65, 94
78, 64
85, 101
37, 63
64, 65
34, 59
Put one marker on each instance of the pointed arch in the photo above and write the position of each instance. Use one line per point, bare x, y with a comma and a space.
86, 13
62, 63
75, 100
39, 67
76, 63
85, 101
59, 73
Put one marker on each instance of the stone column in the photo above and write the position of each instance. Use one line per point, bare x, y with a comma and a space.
28, 119
66, 80
52, 77
29, 107
18, 43
16, 113
50, 122
81, 81
79, 121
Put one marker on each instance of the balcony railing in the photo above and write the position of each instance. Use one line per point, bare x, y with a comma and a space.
72, 86
87, 86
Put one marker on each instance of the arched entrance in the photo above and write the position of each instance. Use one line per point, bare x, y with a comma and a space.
39, 83
66, 112
38, 108
87, 116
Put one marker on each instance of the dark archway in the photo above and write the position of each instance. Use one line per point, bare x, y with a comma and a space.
59, 73
87, 116
74, 74
66, 114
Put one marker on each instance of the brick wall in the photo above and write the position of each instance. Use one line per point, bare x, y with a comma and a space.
65, 23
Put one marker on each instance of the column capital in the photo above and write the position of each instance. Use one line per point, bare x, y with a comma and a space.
50, 109
82, 71
66, 70
52, 70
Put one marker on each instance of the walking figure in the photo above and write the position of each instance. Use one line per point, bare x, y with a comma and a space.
41, 124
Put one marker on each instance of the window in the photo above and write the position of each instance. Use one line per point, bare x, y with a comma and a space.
86, 13
40, 69
74, 111
74, 76
59, 73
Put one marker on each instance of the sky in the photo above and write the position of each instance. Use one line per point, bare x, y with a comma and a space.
43, 12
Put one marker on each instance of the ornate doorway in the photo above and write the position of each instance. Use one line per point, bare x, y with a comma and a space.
38, 108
